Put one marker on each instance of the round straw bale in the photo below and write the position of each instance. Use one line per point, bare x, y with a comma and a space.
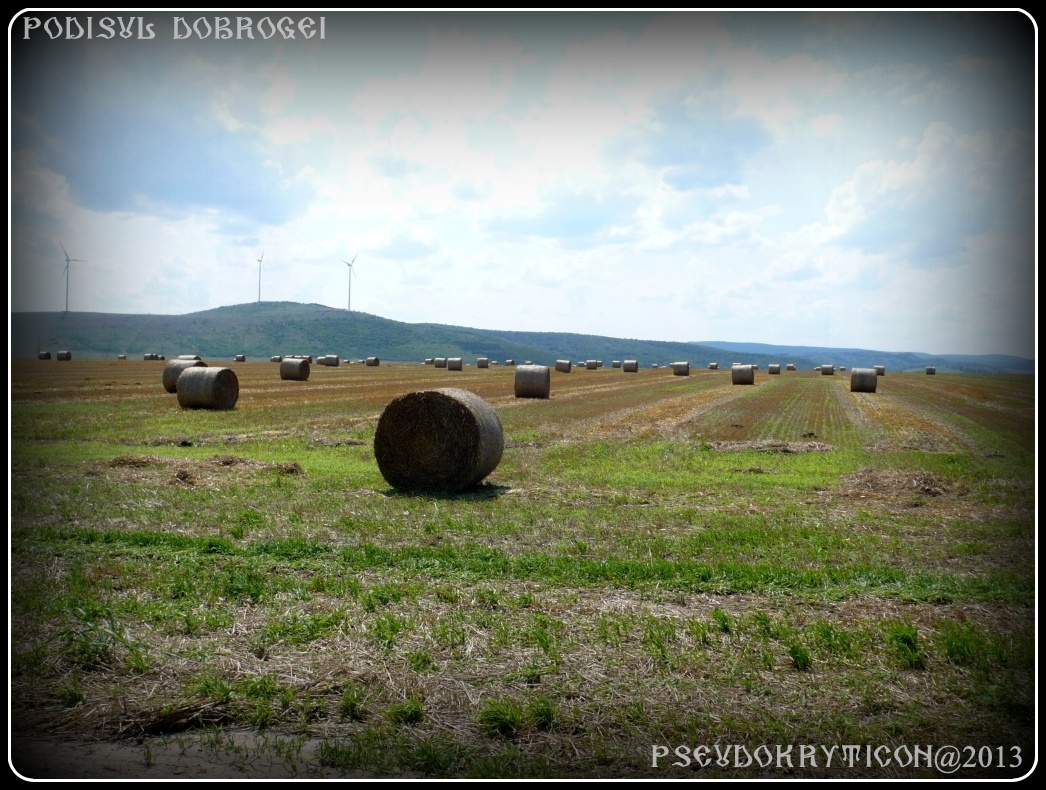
441, 440
742, 374
713, 366
880, 370
64, 356
931, 370
161, 358
440, 362
208, 388
790, 366
453, 363
827, 370
615, 363
189, 356
276, 358
532, 381
654, 366
680, 368
774, 369
373, 362
173, 369
428, 360
43, 355
563, 365
294, 369
630, 366
842, 368
332, 361
240, 358
591, 364
482, 362
863, 380
510, 362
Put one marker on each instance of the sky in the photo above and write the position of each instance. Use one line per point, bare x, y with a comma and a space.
853, 180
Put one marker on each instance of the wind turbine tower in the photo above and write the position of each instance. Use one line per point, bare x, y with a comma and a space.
68, 260
259, 274
352, 273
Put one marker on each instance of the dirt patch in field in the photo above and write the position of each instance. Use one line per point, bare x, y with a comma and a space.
772, 446
892, 484
189, 472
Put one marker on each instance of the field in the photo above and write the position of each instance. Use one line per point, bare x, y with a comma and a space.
663, 575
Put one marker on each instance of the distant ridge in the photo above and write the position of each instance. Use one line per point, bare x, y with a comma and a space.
260, 330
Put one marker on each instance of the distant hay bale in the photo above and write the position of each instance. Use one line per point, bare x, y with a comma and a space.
842, 368
713, 366
331, 360
599, 363
931, 370
510, 362
443, 440
173, 369
755, 367
162, 358
774, 369
43, 355
616, 363
863, 380
208, 388
373, 362
563, 365
880, 370
532, 381
453, 363
240, 358
591, 364
680, 368
654, 366
827, 370
64, 356
294, 369
276, 358
440, 362
528, 362
630, 366
790, 366
428, 360
742, 374
482, 362
189, 356
121, 356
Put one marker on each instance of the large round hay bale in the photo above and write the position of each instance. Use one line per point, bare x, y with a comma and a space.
454, 363
440, 362
276, 358
790, 366
240, 358
563, 365
713, 366
208, 388
188, 356
591, 364
742, 374
121, 356
428, 361
173, 369
774, 369
615, 363
332, 360
532, 381
930, 369
442, 440
510, 362
880, 370
630, 366
64, 356
294, 369
373, 362
43, 355
863, 380
680, 368
482, 362
827, 370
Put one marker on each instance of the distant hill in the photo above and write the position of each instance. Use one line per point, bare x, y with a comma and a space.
893, 360
261, 330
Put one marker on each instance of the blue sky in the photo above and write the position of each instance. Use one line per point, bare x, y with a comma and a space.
843, 179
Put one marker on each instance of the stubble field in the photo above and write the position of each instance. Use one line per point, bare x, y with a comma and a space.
666, 576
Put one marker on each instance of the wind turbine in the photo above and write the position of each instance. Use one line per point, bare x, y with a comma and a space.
68, 260
352, 273
259, 274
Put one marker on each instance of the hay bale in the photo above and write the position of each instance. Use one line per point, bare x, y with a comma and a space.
742, 374
790, 366
43, 355
615, 363
162, 358
331, 360
453, 363
189, 356
591, 364
532, 381
931, 370
240, 358
121, 356
482, 362
373, 362
440, 362
880, 370
294, 369
827, 370
173, 369
713, 366
774, 369
630, 366
680, 368
563, 365
64, 356
863, 380
428, 361
207, 388
276, 358
443, 440
510, 362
